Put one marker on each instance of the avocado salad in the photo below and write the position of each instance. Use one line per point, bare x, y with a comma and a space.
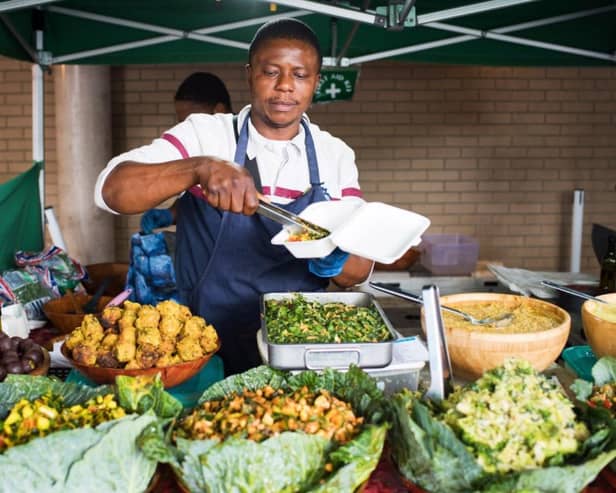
512, 430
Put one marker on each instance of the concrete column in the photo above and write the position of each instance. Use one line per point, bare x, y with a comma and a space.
83, 140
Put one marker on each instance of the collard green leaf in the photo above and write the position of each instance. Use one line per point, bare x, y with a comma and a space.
604, 370
114, 463
565, 479
427, 451
354, 462
16, 387
141, 394
582, 389
252, 379
102, 459
285, 463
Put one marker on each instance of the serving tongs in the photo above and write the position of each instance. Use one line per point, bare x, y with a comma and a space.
501, 320
441, 374
288, 219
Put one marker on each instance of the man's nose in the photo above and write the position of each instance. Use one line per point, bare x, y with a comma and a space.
286, 82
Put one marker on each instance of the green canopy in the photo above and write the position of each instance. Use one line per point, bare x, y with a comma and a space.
493, 32
21, 226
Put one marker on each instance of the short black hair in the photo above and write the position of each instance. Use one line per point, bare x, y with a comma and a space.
286, 28
203, 87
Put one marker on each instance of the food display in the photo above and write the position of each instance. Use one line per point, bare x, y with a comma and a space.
138, 336
18, 355
526, 317
320, 330
57, 436
266, 412
512, 430
297, 320
267, 431
605, 311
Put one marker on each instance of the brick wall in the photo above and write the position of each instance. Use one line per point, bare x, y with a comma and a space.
494, 153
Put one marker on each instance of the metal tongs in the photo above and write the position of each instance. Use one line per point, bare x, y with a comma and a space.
441, 374
288, 219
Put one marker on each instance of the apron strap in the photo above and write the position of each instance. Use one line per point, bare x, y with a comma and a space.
250, 164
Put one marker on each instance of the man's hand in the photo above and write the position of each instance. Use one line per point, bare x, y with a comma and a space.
329, 266
227, 186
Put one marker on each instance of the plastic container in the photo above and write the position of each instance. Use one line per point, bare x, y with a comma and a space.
449, 255
372, 230
580, 359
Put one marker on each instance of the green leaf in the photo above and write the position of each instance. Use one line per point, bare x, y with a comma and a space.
252, 379
582, 389
101, 459
17, 387
354, 462
284, 463
604, 370
565, 479
427, 451
140, 394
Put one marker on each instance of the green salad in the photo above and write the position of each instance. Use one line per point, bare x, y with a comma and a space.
297, 320
513, 430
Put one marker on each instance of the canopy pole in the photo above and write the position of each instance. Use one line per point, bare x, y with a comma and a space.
38, 121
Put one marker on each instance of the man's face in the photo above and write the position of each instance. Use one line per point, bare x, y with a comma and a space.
283, 75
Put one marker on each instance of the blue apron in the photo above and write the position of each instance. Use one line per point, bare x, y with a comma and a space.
225, 261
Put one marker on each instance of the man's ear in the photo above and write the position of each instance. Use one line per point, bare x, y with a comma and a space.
316, 84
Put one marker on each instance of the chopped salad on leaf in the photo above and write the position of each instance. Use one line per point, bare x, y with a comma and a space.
513, 430
57, 436
269, 431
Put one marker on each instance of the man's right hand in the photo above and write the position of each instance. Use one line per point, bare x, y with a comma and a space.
227, 186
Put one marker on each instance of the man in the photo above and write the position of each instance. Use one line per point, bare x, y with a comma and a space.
200, 92
224, 257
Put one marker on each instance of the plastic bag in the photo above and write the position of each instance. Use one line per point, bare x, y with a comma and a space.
65, 274
27, 288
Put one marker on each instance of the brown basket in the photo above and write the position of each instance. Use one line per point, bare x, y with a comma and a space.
117, 273
61, 311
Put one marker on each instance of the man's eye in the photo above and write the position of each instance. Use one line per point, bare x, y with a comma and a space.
270, 73
301, 75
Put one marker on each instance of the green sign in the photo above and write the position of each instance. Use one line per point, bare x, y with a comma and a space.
336, 85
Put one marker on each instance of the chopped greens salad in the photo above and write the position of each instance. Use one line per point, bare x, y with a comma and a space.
297, 320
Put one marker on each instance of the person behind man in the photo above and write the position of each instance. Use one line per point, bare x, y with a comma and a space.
200, 92
224, 256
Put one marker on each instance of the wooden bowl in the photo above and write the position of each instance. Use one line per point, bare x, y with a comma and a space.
600, 333
170, 375
61, 311
474, 352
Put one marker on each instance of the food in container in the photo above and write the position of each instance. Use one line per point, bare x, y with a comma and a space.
600, 326
373, 230
142, 339
476, 349
512, 430
278, 432
305, 334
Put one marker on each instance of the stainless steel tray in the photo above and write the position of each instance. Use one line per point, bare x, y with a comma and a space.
315, 356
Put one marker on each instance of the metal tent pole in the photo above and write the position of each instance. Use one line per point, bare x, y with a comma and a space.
38, 121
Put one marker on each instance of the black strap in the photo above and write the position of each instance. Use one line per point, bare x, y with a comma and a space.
250, 164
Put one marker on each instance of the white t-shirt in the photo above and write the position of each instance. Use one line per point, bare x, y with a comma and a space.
283, 165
